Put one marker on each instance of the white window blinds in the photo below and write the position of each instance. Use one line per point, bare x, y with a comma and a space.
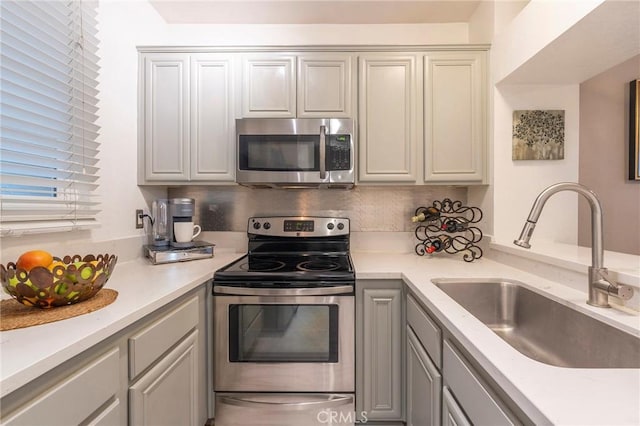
48, 110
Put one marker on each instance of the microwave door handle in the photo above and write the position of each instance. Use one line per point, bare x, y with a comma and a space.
323, 152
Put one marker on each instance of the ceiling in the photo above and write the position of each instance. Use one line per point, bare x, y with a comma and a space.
314, 11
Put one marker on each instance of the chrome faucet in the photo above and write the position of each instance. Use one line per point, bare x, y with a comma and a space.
600, 285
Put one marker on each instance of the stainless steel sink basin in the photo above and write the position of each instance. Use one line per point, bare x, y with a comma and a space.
542, 328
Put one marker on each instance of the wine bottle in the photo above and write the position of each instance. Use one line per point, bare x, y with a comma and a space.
426, 215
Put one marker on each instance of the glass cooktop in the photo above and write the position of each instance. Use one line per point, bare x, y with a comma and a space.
280, 267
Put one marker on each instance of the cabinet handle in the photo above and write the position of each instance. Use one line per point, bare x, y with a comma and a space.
323, 152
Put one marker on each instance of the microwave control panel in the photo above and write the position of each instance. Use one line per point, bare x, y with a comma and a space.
339, 152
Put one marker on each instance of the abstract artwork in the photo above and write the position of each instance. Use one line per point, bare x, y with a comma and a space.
538, 135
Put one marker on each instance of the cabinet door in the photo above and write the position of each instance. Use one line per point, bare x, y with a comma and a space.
424, 384
167, 394
325, 86
382, 349
388, 118
452, 414
212, 119
269, 86
454, 117
165, 113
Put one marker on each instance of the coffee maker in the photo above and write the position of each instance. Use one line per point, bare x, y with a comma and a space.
180, 210
163, 248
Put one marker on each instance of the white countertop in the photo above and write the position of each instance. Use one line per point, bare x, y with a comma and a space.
142, 288
547, 394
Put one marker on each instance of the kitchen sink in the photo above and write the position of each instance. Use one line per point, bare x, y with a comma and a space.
541, 328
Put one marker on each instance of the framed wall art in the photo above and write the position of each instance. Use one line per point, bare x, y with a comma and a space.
538, 135
634, 130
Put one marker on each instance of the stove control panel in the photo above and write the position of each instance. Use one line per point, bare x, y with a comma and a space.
298, 226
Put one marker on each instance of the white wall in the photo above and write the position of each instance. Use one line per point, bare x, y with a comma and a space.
517, 183
538, 25
122, 26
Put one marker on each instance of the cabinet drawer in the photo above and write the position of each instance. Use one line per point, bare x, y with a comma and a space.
476, 401
109, 416
426, 330
86, 390
147, 345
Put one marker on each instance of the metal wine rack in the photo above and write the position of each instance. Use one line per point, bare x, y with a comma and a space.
449, 227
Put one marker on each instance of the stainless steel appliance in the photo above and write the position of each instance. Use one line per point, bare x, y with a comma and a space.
180, 210
284, 327
163, 247
303, 152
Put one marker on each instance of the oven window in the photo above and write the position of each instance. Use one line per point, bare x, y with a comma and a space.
283, 333
279, 152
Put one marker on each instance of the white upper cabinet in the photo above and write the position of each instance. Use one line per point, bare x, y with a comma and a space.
389, 97
423, 117
269, 86
288, 86
454, 117
165, 117
325, 85
186, 118
212, 118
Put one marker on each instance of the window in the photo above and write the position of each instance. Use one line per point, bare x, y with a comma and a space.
48, 109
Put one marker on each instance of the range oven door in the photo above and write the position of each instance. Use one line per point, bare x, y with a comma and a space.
284, 340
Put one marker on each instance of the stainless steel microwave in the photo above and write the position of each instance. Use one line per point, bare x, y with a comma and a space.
303, 152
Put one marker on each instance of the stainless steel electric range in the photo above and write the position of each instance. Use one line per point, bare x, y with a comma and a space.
284, 327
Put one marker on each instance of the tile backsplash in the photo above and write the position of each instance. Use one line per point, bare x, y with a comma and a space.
380, 208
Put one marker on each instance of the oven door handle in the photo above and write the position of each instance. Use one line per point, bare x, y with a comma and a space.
298, 405
307, 291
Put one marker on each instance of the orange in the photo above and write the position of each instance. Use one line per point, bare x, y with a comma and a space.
34, 258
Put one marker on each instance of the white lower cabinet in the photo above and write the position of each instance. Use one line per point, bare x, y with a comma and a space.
76, 399
424, 385
109, 416
151, 373
475, 397
167, 394
452, 414
442, 386
379, 350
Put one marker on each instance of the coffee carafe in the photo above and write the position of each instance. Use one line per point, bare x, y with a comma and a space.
160, 221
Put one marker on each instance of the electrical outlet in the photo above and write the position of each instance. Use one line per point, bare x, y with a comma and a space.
139, 218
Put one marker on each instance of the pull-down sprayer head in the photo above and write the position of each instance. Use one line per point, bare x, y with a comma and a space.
525, 235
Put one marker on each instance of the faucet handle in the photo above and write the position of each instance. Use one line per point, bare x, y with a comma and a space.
622, 291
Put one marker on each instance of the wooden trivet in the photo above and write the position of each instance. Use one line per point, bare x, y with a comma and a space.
14, 314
